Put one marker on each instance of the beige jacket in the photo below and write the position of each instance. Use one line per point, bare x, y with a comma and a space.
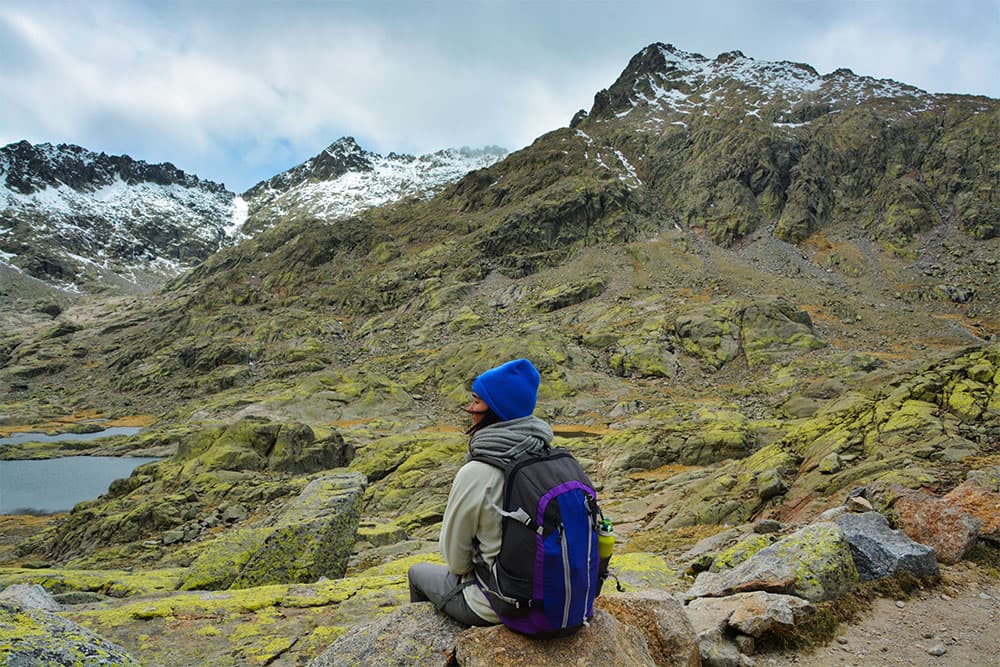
472, 525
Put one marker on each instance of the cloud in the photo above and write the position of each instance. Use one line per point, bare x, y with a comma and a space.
237, 91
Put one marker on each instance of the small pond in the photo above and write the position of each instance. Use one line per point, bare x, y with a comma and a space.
56, 485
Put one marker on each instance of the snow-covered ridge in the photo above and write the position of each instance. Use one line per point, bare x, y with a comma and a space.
344, 180
83, 221
79, 219
663, 78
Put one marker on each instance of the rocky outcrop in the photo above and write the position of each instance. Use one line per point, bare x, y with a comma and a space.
37, 637
814, 563
879, 551
311, 538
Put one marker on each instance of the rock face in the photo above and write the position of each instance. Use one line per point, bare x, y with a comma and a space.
814, 563
38, 637
412, 636
606, 641
879, 551
309, 539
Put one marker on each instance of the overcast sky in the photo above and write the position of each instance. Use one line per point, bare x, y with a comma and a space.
236, 92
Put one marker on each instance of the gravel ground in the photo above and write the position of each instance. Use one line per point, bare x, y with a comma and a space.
956, 624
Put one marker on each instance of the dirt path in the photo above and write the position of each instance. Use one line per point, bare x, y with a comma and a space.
956, 624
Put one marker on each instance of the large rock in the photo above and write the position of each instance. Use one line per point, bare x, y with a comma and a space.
414, 635
975, 499
661, 619
772, 327
606, 642
814, 563
755, 614
42, 638
879, 551
30, 596
311, 538
257, 444
936, 523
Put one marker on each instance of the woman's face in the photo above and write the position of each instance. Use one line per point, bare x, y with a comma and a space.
477, 409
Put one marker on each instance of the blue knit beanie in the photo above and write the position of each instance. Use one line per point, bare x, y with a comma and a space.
510, 389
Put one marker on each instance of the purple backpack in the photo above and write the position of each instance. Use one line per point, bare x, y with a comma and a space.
544, 580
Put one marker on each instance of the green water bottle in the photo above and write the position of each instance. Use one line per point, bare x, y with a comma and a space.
605, 546
605, 539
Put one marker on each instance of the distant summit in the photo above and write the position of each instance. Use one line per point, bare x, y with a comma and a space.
345, 179
84, 221
662, 78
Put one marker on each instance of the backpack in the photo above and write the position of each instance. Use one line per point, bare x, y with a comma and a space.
545, 578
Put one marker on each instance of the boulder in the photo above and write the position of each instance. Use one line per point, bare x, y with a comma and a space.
814, 563
257, 444
973, 498
30, 596
43, 638
755, 614
879, 551
931, 521
311, 538
661, 619
605, 641
414, 635
772, 327
716, 650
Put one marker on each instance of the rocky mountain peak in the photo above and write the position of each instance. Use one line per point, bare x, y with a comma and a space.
28, 169
345, 179
85, 221
664, 79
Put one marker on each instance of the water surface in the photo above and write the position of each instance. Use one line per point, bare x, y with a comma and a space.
18, 438
56, 485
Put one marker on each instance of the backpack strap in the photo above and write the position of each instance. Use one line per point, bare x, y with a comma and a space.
456, 589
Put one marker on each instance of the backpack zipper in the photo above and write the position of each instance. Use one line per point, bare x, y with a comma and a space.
566, 573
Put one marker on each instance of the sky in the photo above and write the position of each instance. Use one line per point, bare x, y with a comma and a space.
237, 91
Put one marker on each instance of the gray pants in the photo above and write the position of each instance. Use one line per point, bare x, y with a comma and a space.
434, 583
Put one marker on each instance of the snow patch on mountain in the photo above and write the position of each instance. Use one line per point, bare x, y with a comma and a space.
345, 180
682, 82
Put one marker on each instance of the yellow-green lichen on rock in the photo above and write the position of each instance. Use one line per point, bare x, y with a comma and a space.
36, 637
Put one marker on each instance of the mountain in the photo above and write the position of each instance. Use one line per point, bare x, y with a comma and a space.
752, 292
83, 221
345, 179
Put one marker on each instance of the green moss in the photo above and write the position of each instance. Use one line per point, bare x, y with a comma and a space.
910, 415
107, 582
641, 570
741, 551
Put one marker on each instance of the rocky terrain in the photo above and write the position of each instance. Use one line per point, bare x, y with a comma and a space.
764, 304
76, 222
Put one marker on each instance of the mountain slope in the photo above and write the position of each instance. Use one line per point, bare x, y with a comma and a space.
345, 179
84, 221
87, 223
736, 317
695, 196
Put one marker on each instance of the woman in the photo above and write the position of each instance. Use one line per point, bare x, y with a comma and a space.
504, 427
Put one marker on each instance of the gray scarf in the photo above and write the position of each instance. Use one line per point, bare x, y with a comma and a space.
508, 440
